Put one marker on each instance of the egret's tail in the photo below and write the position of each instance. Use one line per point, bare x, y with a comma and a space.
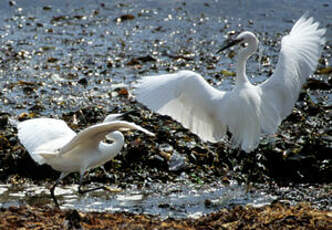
41, 156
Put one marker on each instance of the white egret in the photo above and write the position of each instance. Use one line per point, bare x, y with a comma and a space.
248, 110
52, 142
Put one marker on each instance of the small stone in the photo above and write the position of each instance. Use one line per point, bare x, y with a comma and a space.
177, 162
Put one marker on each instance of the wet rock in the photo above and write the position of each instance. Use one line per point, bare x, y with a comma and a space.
134, 62
4, 143
52, 60
58, 18
83, 81
166, 148
326, 70
3, 120
12, 3
317, 84
125, 17
28, 90
227, 73
46, 8
147, 58
156, 161
123, 92
177, 162
72, 220
164, 206
109, 64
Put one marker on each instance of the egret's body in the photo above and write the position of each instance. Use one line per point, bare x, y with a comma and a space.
51, 141
248, 111
87, 157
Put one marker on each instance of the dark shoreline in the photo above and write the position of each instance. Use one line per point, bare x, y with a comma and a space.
275, 216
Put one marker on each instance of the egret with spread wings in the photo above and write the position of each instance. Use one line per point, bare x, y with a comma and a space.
247, 111
51, 141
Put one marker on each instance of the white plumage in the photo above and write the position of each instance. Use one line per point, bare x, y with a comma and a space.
44, 135
247, 111
52, 142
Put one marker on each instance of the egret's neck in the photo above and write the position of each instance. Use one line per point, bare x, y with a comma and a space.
241, 76
109, 151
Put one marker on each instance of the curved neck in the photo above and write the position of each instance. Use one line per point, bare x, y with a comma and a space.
111, 150
241, 76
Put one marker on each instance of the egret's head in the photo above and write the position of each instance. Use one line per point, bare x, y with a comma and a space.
246, 38
117, 116
115, 136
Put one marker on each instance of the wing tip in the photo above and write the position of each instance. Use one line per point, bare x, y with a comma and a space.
38, 158
150, 133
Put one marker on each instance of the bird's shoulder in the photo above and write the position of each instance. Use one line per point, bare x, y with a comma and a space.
190, 75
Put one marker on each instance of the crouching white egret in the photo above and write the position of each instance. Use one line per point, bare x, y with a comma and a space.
248, 111
52, 142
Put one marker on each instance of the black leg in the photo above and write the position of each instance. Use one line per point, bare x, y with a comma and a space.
108, 175
53, 188
81, 191
52, 194
91, 189
238, 152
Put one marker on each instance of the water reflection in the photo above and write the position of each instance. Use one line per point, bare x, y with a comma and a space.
177, 200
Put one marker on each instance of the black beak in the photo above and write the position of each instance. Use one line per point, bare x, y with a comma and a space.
124, 116
229, 43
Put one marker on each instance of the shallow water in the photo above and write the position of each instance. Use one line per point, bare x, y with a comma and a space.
61, 56
180, 199
177, 200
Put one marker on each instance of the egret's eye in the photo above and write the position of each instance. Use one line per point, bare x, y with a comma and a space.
108, 141
244, 45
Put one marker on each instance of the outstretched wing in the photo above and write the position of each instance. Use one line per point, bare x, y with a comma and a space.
187, 98
92, 135
299, 54
43, 136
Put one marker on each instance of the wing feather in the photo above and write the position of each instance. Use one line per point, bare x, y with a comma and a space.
247, 110
92, 135
43, 135
298, 58
187, 98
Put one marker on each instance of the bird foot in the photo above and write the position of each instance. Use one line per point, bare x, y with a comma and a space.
113, 190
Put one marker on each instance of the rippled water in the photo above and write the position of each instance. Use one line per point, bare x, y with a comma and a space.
57, 46
178, 200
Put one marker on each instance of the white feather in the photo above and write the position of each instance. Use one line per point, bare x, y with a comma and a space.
186, 97
298, 58
43, 134
51, 141
248, 111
